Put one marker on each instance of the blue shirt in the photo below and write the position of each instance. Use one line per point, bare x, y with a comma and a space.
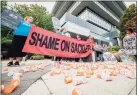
60, 33
23, 29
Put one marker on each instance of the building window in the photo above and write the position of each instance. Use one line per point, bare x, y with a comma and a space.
74, 7
91, 16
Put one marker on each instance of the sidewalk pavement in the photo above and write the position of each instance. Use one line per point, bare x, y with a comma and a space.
28, 78
40, 83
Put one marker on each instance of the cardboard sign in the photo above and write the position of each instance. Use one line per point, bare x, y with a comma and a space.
101, 48
109, 57
56, 23
10, 19
129, 42
44, 42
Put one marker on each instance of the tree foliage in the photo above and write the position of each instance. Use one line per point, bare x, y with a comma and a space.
41, 16
3, 5
113, 49
37, 57
126, 21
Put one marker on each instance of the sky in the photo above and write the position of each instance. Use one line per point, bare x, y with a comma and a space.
49, 5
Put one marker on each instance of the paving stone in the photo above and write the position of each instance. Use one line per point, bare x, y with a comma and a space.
120, 85
55, 83
57, 86
133, 92
37, 88
27, 80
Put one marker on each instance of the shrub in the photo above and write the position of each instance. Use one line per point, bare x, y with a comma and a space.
113, 49
37, 57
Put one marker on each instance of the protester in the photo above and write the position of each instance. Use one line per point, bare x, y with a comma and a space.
20, 36
89, 57
78, 38
60, 33
65, 33
130, 32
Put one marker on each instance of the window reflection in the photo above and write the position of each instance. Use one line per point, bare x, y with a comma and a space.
89, 15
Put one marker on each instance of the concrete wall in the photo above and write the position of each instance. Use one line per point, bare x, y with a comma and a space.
79, 26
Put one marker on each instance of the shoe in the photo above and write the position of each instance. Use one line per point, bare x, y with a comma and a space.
10, 63
16, 63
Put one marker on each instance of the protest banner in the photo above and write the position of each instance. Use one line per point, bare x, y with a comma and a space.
129, 44
56, 23
101, 48
109, 57
45, 42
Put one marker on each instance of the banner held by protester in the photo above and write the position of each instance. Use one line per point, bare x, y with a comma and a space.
129, 44
44, 42
109, 57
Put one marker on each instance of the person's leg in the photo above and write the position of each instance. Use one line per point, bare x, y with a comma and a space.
56, 59
17, 61
11, 61
77, 59
59, 60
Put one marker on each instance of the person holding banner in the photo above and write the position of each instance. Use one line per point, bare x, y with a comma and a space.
130, 33
90, 56
65, 33
78, 38
19, 39
60, 33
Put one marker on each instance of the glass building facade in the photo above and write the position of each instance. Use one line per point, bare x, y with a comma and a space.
93, 17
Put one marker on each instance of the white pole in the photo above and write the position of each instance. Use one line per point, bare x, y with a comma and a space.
93, 56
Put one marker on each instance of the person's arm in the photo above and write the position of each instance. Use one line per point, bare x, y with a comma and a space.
69, 35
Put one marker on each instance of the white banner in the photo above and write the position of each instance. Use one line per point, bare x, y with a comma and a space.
56, 23
129, 44
102, 48
109, 57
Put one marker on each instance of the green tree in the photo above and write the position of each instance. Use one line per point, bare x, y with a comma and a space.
125, 22
131, 24
3, 5
42, 17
